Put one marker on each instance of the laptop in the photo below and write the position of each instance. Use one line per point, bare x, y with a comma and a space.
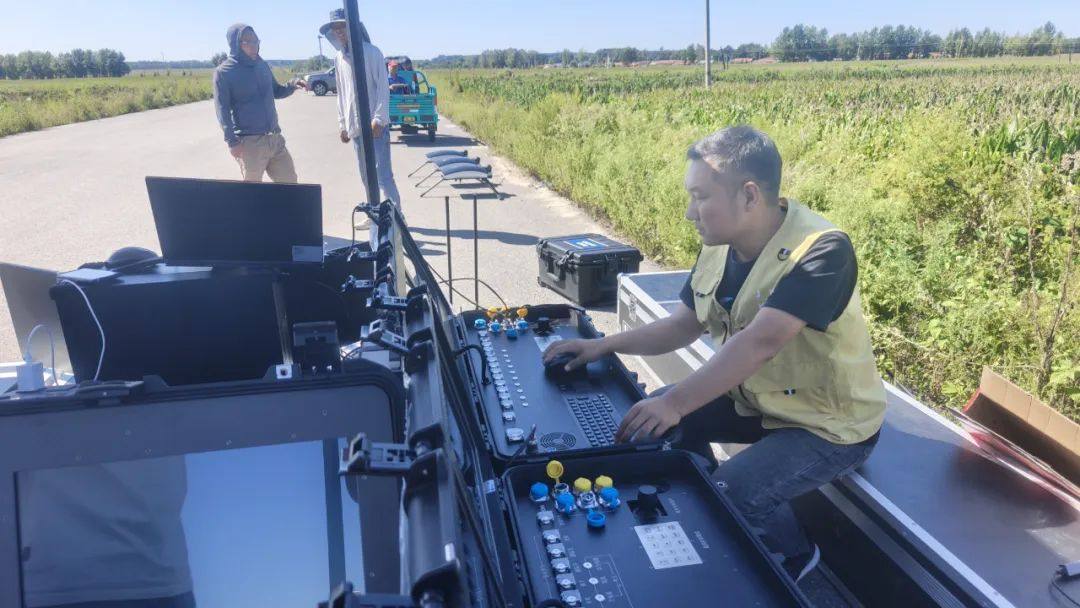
27, 292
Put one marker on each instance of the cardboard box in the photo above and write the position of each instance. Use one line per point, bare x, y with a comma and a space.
1027, 422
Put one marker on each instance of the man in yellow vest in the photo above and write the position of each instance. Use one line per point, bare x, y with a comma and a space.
793, 373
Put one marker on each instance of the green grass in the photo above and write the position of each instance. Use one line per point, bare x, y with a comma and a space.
957, 180
29, 105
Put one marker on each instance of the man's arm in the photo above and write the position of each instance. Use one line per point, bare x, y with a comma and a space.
381, 113
342, 90
223, 107
281, 91
738, 359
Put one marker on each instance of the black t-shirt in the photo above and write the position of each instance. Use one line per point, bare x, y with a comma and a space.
816, 291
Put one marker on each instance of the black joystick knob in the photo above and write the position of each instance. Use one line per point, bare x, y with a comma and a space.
543, 326
648, 502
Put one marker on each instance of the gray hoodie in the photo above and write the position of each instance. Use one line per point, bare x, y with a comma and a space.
244, 92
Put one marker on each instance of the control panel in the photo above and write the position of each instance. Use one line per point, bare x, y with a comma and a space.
531, 409
637, 529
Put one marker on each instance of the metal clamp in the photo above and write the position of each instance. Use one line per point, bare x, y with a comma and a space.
366, 457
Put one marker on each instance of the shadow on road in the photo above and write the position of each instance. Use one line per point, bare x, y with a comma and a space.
420, 140
510, 238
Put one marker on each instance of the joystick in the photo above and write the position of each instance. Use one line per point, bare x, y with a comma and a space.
647, 506
543, 326
555, 369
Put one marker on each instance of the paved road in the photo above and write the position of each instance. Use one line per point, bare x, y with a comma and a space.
75, 193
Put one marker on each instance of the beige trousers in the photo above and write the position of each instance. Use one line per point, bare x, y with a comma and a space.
266, 154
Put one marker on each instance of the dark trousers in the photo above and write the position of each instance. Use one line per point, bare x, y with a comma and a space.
779, 465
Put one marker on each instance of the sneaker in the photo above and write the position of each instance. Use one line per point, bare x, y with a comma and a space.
801, 565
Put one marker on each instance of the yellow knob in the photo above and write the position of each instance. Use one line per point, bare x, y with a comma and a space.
554, 470
492, 312
522, 312
604, 481
582, 485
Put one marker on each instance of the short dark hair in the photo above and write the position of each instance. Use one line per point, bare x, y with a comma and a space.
744, 151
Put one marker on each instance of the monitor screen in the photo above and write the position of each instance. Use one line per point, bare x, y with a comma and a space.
219, 222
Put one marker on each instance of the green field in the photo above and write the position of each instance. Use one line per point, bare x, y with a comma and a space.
957, 181
29, 105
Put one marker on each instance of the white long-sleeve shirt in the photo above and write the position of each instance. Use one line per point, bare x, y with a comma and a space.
378, 90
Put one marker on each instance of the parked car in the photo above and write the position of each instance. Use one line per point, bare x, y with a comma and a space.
322, 83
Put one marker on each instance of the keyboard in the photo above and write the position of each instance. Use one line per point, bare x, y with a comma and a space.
596, 416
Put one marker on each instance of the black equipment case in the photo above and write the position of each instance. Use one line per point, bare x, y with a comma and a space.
585, 267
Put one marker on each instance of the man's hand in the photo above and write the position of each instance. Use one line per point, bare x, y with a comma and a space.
344, 137
301, 83
584, 351
648, 419
237, 151
376, 129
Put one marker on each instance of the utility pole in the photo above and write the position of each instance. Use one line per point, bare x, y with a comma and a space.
708, 52
319, 36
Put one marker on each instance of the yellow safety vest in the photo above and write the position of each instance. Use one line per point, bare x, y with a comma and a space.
825, 382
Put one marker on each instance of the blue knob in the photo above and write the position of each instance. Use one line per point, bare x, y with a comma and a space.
596, 520
565, 502
538, 491
610, 497
480, 324
511, 332
495, 327
523, 325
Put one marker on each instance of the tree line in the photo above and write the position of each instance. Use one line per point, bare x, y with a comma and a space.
77, 63
808, 43
797, 43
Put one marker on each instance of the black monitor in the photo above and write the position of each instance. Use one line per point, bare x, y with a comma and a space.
203, 222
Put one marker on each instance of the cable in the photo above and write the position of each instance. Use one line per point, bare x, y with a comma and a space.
101, 357
485, 376
52, 348
521, 450
352, 222
1055, 585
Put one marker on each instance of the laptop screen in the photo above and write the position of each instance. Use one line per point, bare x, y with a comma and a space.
26, 290
217, 222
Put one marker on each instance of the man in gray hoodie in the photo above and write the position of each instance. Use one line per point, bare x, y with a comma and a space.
244, 94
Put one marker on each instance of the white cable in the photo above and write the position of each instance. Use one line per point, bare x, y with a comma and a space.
52, 348
101, 357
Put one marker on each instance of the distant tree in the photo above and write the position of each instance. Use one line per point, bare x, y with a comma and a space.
801, 43
959, 43
218, 58
752, 50
627, 55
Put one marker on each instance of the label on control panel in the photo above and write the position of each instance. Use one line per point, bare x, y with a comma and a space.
545, 341
667, 545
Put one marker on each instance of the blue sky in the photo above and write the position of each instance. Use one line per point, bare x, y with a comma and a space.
195, 29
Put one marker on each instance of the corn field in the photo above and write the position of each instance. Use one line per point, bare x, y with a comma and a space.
959, 183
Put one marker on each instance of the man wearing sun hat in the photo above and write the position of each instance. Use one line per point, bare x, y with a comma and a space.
337, 32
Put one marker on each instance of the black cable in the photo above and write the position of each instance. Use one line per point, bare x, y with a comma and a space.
482, 282
521, 450
443, 281
484, 370
1055, 585
352, 222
